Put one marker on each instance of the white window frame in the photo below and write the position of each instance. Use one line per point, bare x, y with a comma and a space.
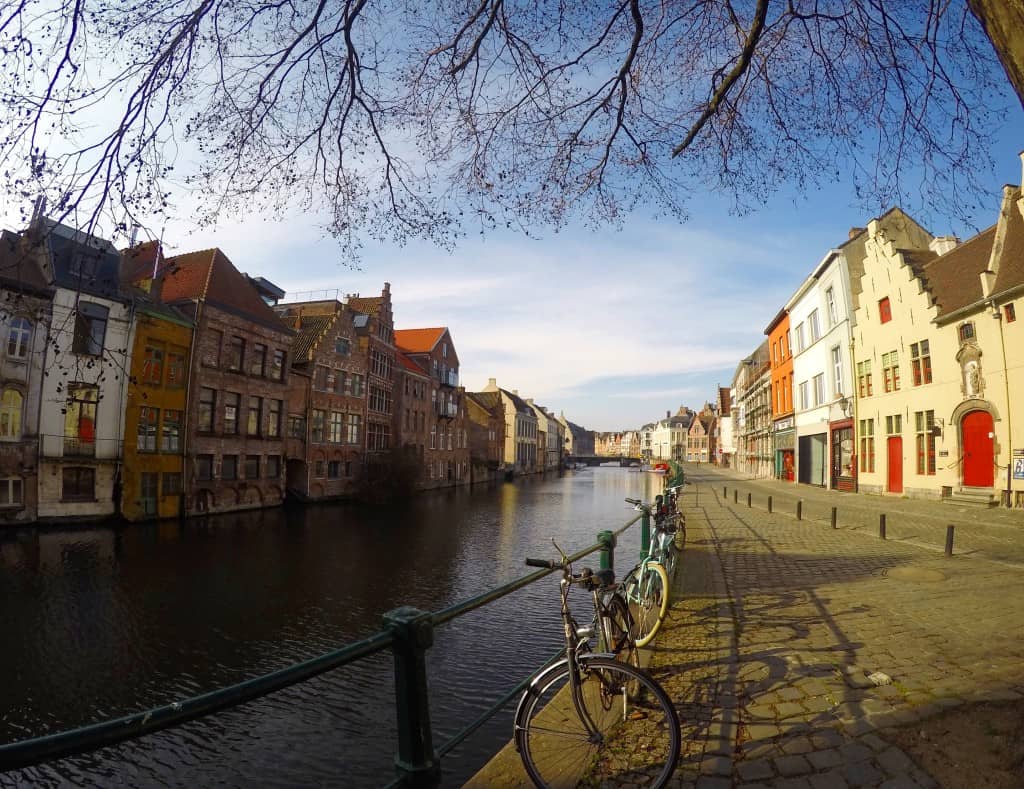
837, 370
833, 311
819, 389
815, 326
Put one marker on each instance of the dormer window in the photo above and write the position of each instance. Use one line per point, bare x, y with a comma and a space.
966, 332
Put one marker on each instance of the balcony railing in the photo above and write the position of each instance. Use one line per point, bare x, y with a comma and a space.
449, 378
79, 447
446, 410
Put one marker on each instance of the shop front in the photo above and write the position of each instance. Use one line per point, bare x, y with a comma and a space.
784, 441
812, 456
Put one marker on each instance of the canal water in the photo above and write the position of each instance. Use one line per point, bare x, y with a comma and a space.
99, 623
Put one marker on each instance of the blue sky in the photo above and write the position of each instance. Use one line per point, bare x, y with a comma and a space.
612, 326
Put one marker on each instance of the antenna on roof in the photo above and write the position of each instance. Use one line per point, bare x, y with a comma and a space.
159, 251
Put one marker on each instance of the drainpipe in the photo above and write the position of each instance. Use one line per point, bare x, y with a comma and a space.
1009, 409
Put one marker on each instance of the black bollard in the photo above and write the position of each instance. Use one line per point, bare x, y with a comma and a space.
769, 505
949, 540
800, 509
735, 496
725, 491
834, 517
881, 526
748, 499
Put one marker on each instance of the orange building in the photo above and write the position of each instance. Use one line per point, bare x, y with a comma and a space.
780, 354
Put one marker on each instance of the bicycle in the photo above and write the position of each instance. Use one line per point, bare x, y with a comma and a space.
612, 624
590, 716
646, 587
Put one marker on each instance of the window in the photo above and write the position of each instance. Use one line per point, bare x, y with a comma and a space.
319, 417
379, 400
170, 434
819, 388
229, 467
252, 466
337, 427
204, 467
211, 348
148, 482
830, 303
775, 353
921, 363
1008, 311
90, 328
252, 424
78, 484
274, 419
153, 365
924, 421
273, 466
11, 492
176, 369
867, 445
236, 354
378, 436
149, 418
381, 364
258, 359
805, 395
20, 337
320, 377
297, 427
812, 320
864, 378
10, 414
342, 346
207, 404
80, 420
966, 332
232, 404
277, 366
433, 436
800, 345
837, 372
171, 483
333, 469
884, 310
352, 436
357, 385
339, 382
891, 371
894, 424
318, 468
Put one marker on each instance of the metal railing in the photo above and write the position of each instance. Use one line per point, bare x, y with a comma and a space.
408, 633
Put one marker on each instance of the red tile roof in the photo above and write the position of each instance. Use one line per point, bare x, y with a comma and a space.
209, 275
418, 340
409, 364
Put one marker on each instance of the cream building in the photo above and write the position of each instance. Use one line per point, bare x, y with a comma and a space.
939, 354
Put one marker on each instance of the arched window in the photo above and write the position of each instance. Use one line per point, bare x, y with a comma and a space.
19, 338
10, 414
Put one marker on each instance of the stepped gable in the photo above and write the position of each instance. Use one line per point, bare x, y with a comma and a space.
1010, 273
208, 274
418, 340
954, 278
367, 305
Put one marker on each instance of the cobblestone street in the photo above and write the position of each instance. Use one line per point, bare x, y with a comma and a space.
779, 625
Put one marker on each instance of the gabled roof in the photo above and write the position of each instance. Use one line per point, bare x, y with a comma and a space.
311, 329
83, 262
210, 275
368, 305
419, 340
488, 400
409, 364
1010, 273
520, 404
954, 278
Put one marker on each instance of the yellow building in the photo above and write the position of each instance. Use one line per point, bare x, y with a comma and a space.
154, 442
938, 355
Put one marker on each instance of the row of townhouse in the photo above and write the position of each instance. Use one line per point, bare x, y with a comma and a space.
893, 367
143, 386
685, 435
531, 438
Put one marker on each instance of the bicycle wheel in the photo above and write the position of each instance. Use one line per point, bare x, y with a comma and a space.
605, 735
646, 590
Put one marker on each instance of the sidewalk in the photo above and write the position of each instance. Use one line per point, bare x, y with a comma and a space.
778, 623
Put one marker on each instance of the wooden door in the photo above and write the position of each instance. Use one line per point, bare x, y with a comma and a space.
894, 452
977, 445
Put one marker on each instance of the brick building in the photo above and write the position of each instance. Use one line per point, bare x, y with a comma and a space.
413, 414
485, 420
375, 328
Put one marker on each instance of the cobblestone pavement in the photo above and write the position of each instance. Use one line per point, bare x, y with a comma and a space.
779, 623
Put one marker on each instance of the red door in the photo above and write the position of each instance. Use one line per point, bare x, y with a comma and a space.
976, 440
895, 453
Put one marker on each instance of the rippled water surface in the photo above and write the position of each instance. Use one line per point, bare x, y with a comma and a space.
100, 623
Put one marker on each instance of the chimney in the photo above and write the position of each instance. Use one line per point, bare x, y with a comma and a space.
940, 245
856, 231
668, 414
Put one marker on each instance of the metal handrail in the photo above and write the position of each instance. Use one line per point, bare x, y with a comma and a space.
405, 636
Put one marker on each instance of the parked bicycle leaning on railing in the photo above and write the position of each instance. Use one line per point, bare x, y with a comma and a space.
589, 717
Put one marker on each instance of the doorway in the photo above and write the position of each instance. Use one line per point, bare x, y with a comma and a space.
894, 454
976, 431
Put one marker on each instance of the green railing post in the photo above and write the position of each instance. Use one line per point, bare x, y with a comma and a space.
607, 542
416, 763
645, 534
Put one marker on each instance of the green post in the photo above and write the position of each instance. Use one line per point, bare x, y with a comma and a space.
645, 534
607, 541
416, 763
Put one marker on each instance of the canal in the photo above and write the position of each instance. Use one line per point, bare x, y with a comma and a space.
97, 623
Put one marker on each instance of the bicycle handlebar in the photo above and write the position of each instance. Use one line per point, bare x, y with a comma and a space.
634, 502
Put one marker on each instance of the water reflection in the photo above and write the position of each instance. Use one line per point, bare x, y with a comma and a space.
102, 622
